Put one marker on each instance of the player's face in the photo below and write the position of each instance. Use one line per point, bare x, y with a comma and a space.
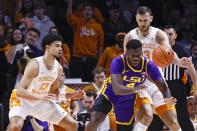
144, 21
134, 56
88, 12
31, 38
99, 78
171, 35
55, 49
192, 106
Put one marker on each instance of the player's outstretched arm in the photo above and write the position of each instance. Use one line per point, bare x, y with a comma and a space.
163, 39
155, 75
31, 71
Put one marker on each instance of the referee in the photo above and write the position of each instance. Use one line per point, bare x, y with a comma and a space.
173, 75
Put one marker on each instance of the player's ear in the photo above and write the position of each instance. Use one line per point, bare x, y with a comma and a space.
47, 46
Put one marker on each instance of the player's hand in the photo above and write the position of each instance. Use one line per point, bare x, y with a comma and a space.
185, 61
76, 95
139, 87
49, 97
170, 101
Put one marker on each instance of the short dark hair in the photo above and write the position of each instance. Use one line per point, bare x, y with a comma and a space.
50, 38
170, 27
133, 44
144, 9
34, 30
90, 93
98, 70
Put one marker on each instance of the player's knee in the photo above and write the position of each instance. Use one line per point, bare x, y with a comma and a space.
15, 125
147, 116
173, 122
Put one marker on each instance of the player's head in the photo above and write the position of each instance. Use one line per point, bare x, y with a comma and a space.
191, 105
134, 52
120, 39
88, 11
144, 18
52, 44
171, 32
99, 76
32, 36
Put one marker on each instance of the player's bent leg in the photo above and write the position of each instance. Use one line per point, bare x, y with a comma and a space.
68, 123
145, 115
96, 119
15, 124
168, 116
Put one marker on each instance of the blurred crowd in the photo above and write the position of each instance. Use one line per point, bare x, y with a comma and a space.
93, 33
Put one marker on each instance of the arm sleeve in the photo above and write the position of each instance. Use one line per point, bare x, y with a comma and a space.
153, 71
117, 66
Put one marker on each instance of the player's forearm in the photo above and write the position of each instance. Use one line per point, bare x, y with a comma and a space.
176, 59
23, 93
122, 90
163, 87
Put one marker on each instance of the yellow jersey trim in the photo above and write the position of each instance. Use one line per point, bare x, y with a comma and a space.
135, 69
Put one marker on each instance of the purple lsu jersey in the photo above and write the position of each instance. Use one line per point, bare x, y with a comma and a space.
132, 77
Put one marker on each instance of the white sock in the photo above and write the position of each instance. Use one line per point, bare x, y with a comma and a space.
139, 127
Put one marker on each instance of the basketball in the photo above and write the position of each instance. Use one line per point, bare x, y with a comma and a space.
163, 56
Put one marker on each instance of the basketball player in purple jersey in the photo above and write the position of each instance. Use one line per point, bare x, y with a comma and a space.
128, 72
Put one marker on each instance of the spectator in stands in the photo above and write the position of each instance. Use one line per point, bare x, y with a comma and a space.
41, 22
87, 104
87, 42
97, 14
113, 25
99, 76
4, 20
192, 109
193, 51
26, 10
17, 40
65, 58
111, 52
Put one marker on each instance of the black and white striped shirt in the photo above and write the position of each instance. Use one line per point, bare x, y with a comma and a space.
172, 72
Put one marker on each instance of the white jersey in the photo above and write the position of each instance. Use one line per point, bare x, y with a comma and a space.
41, 84
149, 42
